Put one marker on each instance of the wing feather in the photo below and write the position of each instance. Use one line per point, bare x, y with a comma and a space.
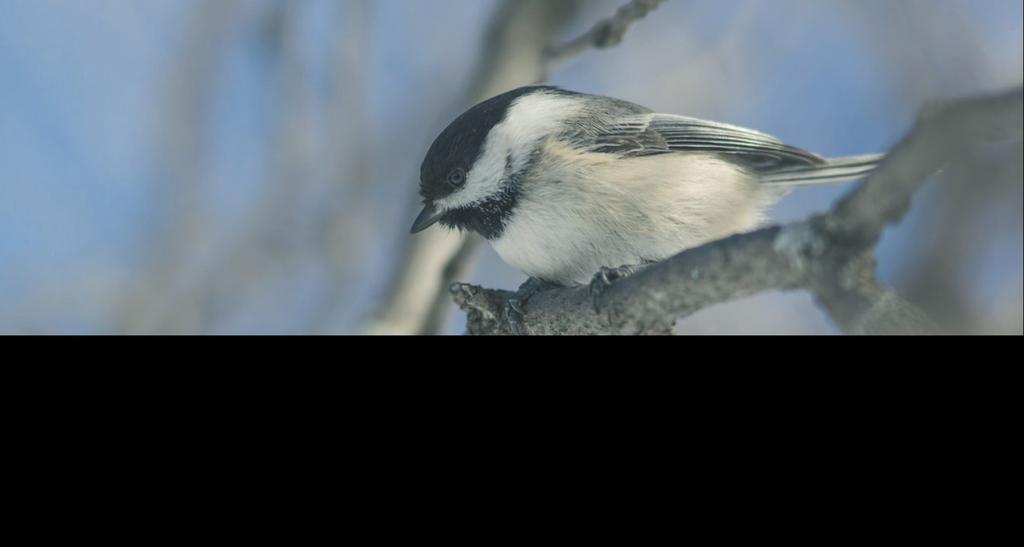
650, 134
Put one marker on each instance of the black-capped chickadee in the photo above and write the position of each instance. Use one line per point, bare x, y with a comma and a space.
564, 183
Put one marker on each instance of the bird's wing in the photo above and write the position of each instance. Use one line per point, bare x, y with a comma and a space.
650, 134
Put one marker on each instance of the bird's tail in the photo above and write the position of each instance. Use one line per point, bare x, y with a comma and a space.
834, 171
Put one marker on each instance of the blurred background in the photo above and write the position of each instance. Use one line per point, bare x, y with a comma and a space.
251, 166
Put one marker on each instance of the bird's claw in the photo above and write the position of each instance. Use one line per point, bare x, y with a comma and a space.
515, 306
605, 278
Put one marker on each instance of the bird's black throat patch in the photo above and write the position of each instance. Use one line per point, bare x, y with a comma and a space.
488, 217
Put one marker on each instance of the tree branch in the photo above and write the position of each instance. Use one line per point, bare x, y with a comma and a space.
605, 34
828, 254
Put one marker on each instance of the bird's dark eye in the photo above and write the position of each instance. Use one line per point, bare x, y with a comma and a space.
457, 177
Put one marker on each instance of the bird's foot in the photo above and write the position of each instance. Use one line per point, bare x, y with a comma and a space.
606, 277
515, 307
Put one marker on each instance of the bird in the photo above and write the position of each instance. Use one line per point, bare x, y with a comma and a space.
564, 185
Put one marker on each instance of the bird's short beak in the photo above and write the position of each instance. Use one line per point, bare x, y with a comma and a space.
428, 217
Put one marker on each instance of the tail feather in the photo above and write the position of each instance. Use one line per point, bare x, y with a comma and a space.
835, 171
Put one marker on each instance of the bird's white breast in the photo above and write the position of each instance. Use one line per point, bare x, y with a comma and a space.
580, 211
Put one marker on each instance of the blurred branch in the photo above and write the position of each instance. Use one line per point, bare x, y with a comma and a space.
342, 217
607, 33
157, 302
975, 199
274, 236
288, 231
923, 52
828, 254
518, 52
